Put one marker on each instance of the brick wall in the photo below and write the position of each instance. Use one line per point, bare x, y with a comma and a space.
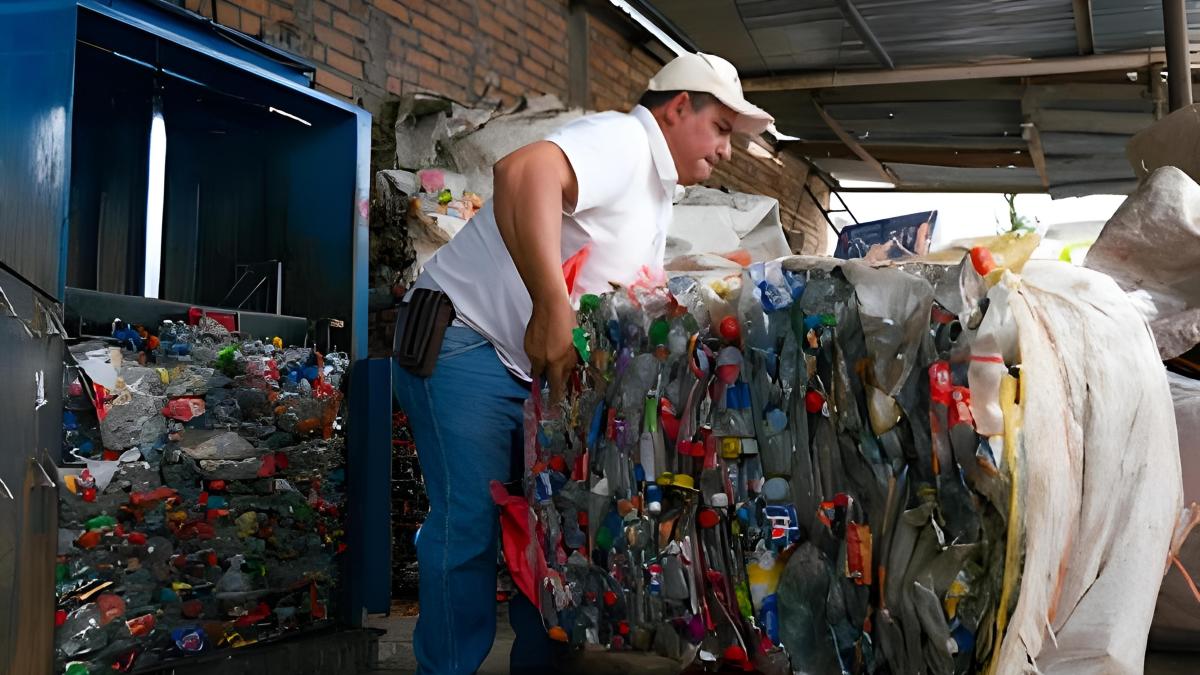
366, 51
490, 51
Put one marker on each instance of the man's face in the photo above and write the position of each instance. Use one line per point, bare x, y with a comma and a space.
698, 139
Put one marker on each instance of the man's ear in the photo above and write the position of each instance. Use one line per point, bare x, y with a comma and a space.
674, 109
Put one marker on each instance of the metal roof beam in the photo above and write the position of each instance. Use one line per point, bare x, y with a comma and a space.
948, 72
1084, 36
859, 24
1032, 136
967, 158
854, 146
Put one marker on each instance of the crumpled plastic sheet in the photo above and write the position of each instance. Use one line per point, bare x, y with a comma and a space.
857, 477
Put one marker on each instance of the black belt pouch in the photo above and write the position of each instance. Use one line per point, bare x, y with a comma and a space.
427, 315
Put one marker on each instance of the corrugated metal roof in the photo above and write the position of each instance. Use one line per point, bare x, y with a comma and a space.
916, 32
1121, 25
975, 128
789, 35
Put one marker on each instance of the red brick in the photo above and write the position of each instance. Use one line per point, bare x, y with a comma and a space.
454, 74
495, 30
350, 25
193, 5
556, 23
394, 86
542, 56
424, 25
251, 24
511, 86
447, 20
505, 53
228, 15
418, 7
402, 38
422, 61
334, 83
343, 5
460, 44
347, 65
277, 12
333, 38
318, 52
393, 9
322, 12
533, 69
258, 7
434, 48
430, 82
509, 21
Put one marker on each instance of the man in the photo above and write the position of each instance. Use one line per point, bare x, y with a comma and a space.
604, 185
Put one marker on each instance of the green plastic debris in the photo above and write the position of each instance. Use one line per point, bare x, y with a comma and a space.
226, 360
100, 522
580, 338
589, 302
445, 196
76, 668
828, 320
650, 414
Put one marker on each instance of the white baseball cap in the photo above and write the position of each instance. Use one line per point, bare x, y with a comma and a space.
712, 75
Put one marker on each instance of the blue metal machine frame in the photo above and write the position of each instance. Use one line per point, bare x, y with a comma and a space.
38, 42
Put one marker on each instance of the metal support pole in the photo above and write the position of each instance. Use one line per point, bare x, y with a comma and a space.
1179, 79
864, 32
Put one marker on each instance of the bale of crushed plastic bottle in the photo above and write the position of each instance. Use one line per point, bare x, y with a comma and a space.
823, 467
208, 514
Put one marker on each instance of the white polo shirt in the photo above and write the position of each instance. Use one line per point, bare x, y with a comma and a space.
626, 183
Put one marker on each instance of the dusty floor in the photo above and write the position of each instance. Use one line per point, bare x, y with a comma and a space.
396, 654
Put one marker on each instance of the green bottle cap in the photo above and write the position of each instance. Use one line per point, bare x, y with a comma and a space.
659, 330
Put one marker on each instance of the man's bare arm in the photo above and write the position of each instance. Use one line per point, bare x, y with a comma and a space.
532, 187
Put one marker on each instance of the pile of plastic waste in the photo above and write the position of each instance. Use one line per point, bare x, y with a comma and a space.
812, 468
207, 511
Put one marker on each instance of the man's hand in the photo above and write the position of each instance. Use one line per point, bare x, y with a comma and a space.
548, 342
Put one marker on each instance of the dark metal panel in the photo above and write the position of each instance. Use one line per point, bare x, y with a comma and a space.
368, 584
110, 146
1121, 187
714, 22
37, 55
1089, 168
950, 118
1075, 144
91, 312
326, 262
30, 407
957, 178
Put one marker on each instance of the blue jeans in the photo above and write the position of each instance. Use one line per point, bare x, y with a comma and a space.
467, 422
